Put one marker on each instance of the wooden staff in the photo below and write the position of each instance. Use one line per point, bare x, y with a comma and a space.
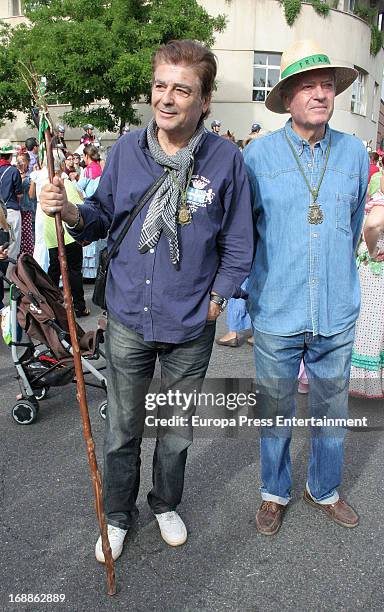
81, 392
32, 82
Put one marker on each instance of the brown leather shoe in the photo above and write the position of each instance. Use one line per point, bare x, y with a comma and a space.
340, 512
269, 517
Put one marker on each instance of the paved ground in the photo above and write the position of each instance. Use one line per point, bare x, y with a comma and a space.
48, 526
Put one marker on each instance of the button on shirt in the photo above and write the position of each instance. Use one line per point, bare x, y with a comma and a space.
304, 277
145, 291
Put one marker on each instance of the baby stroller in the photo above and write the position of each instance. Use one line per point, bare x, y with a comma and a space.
37, 307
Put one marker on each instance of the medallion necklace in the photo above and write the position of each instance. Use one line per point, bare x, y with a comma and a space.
315, 214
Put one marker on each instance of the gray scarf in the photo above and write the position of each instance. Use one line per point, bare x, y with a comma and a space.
161, 215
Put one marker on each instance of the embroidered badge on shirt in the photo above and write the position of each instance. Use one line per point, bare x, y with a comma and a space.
197, 195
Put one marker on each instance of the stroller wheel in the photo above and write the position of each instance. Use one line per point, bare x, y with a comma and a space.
25, 412
103, 409
41, 393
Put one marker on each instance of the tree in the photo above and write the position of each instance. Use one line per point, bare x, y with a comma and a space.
13, 94
100, 51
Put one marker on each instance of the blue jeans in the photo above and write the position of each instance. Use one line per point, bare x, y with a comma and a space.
237, 315
131, 363
327, 363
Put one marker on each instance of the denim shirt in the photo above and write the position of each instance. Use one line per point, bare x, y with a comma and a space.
304, 277
145, 291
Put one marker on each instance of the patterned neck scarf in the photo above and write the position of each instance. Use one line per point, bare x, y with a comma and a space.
161, 215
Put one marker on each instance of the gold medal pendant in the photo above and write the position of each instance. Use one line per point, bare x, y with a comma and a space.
184, 216
315, 214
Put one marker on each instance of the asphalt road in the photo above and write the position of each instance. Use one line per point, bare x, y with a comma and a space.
48, 526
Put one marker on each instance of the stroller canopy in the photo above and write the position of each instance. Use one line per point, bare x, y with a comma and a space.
40, 304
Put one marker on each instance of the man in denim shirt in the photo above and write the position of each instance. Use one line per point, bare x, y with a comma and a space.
309, 185
185, 254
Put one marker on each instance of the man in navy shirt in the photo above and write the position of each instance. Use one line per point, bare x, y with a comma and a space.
185, 254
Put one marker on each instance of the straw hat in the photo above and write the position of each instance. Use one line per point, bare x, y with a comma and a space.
7, 148
301, 56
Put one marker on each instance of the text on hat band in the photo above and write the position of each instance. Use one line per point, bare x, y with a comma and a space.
306, 62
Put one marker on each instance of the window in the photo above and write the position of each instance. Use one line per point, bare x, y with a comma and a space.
358, 93
266, 73
375, 91
14, 8
349, 5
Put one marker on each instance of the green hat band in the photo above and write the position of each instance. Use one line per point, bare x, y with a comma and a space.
312, 61
6, 149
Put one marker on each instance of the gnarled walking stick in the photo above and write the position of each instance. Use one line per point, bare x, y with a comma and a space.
44, 130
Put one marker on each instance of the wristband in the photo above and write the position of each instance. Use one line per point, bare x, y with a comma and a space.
220, 301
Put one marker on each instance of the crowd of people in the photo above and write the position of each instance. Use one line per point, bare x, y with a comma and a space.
22, 176
255, 132
271, 226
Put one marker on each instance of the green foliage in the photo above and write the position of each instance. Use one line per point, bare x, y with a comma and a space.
377, 40
14, 96
98, 51
366, 13
369, 15
292, 9
321, 8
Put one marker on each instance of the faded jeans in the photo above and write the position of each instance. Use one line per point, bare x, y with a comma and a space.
327, 363
131, 363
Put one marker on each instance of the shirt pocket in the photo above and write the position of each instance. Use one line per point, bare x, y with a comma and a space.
345, 204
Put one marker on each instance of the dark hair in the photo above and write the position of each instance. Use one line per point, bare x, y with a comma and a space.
6, 156
30, 143
230, 136
192, 54
25, 156
92, 152
374, 156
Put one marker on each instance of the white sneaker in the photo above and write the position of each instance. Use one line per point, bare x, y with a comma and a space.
172, 529
116, 537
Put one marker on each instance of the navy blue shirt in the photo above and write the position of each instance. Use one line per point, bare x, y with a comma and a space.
145, 291
10, 186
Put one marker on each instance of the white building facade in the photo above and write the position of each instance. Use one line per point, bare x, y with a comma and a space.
249, 52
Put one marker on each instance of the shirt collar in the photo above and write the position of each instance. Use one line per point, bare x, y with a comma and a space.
5, 162
300, 143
